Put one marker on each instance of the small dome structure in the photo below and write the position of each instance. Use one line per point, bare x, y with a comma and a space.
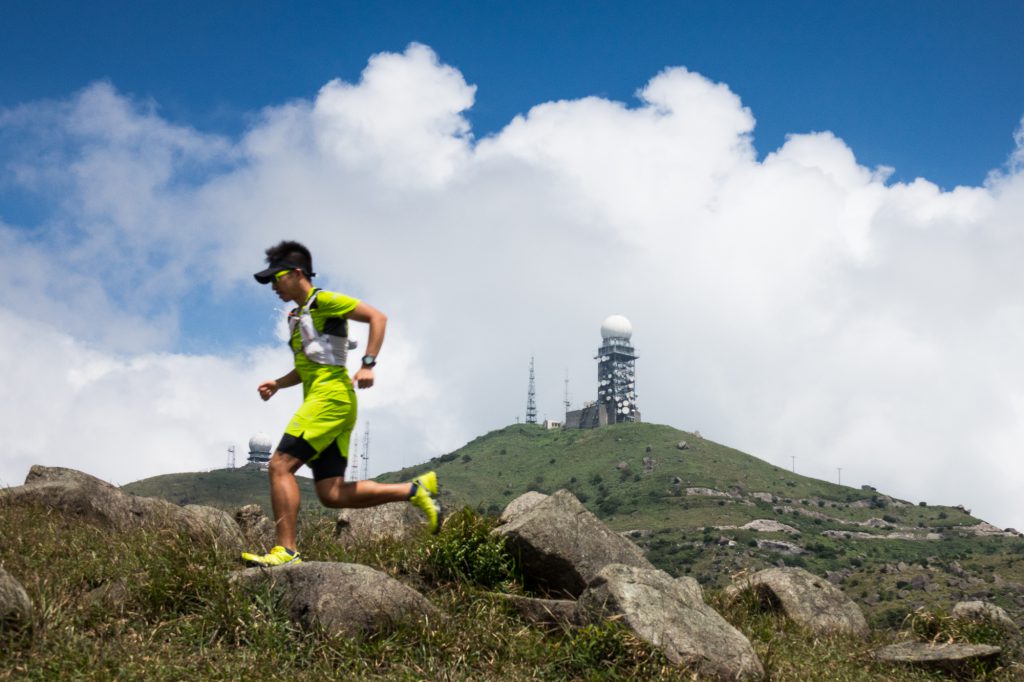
260, 443
616, 327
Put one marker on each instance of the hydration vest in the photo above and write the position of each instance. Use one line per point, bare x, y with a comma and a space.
329, 347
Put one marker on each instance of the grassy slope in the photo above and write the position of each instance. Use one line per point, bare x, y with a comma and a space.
684, 534
226, 489
182, 594
493, 469
155, 606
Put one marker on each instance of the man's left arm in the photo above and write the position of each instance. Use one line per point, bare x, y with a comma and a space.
364, 312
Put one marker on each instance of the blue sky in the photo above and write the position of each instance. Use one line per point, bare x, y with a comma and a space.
930, 88
810, 212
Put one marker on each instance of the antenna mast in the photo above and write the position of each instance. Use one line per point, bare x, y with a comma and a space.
531, 399
366, 452
567, 404
231, 457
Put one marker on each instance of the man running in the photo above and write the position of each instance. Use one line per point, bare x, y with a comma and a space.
319, 433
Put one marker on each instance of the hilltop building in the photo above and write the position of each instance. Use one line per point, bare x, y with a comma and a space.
616, 380
259, 451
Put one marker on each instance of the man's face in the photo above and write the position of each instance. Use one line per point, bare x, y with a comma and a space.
286, 285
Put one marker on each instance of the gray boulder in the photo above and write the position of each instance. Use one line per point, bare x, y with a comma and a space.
779, 546
769, 526
950, 658
545, 612
224, 530
980, 611
343, 599
44, 474
82, 496
396, 521
670, 615
562, 546
691, 588
257, 529
521, 505
15, 606
805, 598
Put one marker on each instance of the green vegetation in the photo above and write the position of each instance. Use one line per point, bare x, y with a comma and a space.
171, 613
636, 479
157, 607
226, 489
684, 507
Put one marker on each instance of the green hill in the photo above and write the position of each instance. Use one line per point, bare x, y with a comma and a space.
685, 506
226, 489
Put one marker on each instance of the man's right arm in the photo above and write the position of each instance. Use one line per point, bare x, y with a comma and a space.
268, 388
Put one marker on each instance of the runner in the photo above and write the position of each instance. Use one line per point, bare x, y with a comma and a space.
319, 433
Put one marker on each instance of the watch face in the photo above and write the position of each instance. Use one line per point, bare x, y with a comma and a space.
369, 360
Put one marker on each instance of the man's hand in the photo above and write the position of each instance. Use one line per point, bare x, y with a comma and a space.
268, 388
364, 378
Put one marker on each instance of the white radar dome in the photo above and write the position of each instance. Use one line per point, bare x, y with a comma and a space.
616, 327
260, 443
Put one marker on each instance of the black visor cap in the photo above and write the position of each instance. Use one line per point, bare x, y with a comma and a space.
267, 276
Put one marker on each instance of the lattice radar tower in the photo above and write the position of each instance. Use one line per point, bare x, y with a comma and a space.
616, 372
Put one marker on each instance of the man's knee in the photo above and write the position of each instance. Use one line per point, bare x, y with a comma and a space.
283, 464
334, 492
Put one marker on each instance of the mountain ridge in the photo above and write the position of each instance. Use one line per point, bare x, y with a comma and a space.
700, 508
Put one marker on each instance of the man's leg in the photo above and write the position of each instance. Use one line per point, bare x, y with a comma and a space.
336, 492
284, 496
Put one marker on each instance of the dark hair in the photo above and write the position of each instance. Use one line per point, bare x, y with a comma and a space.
291, 253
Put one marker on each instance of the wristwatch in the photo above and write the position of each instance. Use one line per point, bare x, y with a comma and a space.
369, 361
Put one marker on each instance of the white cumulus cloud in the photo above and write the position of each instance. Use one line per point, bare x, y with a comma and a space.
800, 306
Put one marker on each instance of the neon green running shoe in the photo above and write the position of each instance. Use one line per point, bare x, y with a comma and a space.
279, 556
426, 499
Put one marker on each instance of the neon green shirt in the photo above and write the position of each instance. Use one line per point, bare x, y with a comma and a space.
316, 377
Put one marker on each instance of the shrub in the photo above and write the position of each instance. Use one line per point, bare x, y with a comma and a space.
468, 551
607, 650
938, 625
609, 506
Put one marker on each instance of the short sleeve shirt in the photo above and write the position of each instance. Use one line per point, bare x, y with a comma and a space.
317, 377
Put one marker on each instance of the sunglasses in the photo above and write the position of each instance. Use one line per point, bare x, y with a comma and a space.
279, 275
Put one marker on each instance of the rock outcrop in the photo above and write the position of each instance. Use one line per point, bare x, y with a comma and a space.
545, 612
769, 526
805, 598
395, 521
343, 599
226, 533
950, 658
562, 546
257, 529
980, 611
79, 495
670, 615
15, 606
521, 505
